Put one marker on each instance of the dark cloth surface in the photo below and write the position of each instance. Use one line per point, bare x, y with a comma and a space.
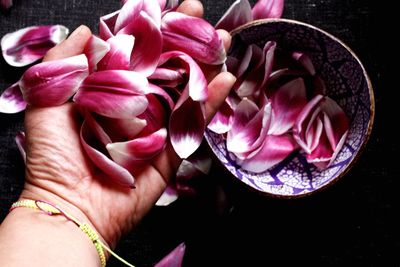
353, 222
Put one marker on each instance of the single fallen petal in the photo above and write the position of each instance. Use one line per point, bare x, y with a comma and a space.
193, 36
269, 55
53, 83
6, 4
25, 46
95, 50
321, 156
274, 150
287, 103
130, 153
264, 9
21, 144
222, 122
173, 259
128, 14
155, 115
119, 55
90, 136
114, 93
148, 44
107, 25
186, 132
169, 196
238, 14
197, 83
305, 61
11, 100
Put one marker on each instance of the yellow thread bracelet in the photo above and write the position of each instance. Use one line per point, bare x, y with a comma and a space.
50, 209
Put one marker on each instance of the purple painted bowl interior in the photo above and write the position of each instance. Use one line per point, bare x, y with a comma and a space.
347, 83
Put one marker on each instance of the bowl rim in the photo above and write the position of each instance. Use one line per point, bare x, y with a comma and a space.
371, 96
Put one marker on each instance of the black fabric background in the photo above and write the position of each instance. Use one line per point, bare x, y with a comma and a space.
353, 222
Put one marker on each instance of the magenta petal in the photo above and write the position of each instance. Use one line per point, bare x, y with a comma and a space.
322, 155
95, 50
11, 100
114, 93
119, 55
154, 89
173, 259
122, 129
155, 115
264, 9
238, 14
287, 102
169, 196
21, 144
128, 14
221, 123
274, 150
114, 171
153, 9
186, 132
304, 61
25, 46
142, 149
5, 4
53, 83
163, 4
193, 36
197, 84
107, 25
148, 44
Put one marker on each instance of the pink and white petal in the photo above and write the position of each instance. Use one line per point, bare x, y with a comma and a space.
264, 9
322, 154
269, 54
163, 4
335, 121
128, 14
11, 100
154, 89
186, 132
153, 10
122, 129
305, 62
313, 133
173, 259
239, 13
274, 150
302, 123
193, 36
197, 83
119, 54
25, 46
21, 144
169, 196
155, 115
287, 102
5, 4
107, 25
95, 50
222, 121
172, 5
148, 44
130, 153
53, 83
114, 171
114, 93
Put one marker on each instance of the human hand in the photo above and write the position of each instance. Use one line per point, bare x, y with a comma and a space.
58, 170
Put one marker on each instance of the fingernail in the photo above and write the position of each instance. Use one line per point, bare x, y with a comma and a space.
77, 31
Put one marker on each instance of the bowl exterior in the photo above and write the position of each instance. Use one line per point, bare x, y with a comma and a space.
347, 83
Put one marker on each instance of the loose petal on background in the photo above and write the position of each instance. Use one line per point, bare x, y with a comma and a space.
148, 44
107, 25
238, 14
128, 14
169, 196
95, 50
193, 36
186, 132
21, 144
130, 153
221, 123
114, 171
5, 4
25, 46
114, 93
11, 100
119, 54
52, 83
264, 9
287, 102
305, 61
173, 259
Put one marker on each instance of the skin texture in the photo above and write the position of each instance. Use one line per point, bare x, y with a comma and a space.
59, 172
